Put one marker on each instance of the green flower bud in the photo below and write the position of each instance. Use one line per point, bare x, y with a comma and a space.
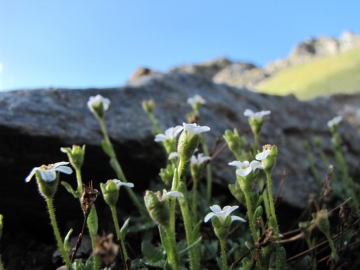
237, 192
187, 144
246, 183
110, 192
47, 188
322, 221
233, 141
268, 157
98, 105
148, 106
111, 189
189, 140
75, 155
167, 174
221, 229
159, 210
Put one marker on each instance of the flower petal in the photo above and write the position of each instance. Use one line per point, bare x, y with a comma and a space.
119, 183
47, 175
239, 163
176, 194
195, 129
64, 169
262, 155
173, 155
160, 138
249, 113
244, 171
215, 208
256, 165
57, 164
234, 218
209, 216
28, 178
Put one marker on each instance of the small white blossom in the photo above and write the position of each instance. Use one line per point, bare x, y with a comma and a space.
262, 155
173, 155
222, 213
194, 129
170, 134
95, 101
247, 167
48, 173
196, 99
257, 115
175, 194
239, 163
335, 121
200, 159
119, 183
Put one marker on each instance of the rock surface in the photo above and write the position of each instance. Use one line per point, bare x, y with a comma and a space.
35, 124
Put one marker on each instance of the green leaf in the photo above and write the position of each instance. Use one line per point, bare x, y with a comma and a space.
92, 221
150, 252
108, 149
182, 252
70, 189
165, 240
77, 265
196, 230
89, 265
124, 228
66, 240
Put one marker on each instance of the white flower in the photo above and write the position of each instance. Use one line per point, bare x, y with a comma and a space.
262, 155
48, 173
222, 213
247, 168
170, 134
194, 129
119, 183
173, 155
196, 99
239, 163
166, 194
199, 159
335, 121
257, 115
96, 101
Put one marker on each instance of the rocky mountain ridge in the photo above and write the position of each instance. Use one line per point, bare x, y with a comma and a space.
244, 74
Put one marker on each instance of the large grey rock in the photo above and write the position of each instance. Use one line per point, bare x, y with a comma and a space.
61, 116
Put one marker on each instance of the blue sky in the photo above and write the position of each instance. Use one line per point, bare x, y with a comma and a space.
93, 43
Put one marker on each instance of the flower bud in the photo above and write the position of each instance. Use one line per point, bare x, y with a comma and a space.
246, 183
269, 159
98, 105
233, 141
237, 192
75, 155
187, 144
221, 229
110, 192
167, 174
148, 106
159, 210
47, 189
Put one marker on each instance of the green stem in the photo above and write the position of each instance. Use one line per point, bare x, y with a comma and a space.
332, 246
251, 216
93, 246
119, 171
194, 260
223, 254
57, 233
79, 182
208, 170
194, 202
256, 143
118, 234
155, 123
272, 211
173, 255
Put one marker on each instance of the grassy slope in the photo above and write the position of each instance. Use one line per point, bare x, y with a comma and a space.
329, 75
